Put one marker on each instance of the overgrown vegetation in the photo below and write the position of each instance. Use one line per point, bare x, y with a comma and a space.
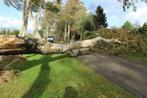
134, 43
133, 37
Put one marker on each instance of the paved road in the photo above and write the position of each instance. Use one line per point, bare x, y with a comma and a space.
130, 75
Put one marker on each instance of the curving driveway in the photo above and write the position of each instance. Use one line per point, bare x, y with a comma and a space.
130, 75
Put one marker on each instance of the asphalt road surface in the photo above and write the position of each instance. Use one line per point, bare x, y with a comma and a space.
130, 75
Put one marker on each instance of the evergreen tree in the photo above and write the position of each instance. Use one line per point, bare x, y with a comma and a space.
100, 18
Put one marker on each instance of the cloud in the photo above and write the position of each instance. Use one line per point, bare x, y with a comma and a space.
12, 23
139, 16
7, 22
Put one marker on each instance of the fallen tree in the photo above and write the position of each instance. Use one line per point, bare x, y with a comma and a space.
12, 45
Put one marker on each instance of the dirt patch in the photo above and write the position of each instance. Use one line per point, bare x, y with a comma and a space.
7, 60
11, 58
6, 76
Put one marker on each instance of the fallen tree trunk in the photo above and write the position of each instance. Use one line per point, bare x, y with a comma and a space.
12, 45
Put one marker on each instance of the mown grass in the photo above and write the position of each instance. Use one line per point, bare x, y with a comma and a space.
138, 58
58, 76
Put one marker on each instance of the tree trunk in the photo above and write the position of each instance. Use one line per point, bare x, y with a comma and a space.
10, 45
73, 38
36, 33
26, 10
68, 33
65, 33
81, 35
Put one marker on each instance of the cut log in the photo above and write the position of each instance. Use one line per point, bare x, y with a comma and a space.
11, 45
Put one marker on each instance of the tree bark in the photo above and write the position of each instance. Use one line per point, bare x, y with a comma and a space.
26, 10
36, 33
65, 33
68, 33
11, 45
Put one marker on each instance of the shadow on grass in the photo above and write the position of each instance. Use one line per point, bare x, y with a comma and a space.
70, 92
41, 82
22, 66
43, 79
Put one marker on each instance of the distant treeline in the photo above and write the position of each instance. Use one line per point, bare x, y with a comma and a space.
9, 32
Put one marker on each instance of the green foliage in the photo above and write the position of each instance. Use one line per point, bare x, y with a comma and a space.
89, 23
89, 34
74, 14
58, 76
128, 25
80, 18
136, 29
143, 30
52, 7
100, 18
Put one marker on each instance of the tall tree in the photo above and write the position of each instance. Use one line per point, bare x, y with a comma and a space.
71, 7
81, 17
73, 17
28, 6
100, 18
50, 17
26, 10
128, 25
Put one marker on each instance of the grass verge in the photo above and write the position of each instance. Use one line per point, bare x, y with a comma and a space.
138, 58
58, 76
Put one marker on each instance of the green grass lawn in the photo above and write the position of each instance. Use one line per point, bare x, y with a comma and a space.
58, 76
138, 58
